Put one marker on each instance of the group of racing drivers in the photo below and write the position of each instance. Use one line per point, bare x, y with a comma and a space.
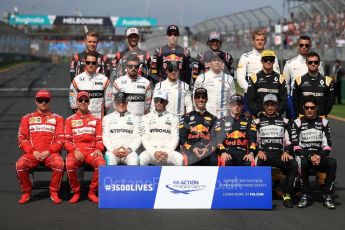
173, 110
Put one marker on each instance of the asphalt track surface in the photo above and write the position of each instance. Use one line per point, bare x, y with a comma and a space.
17, 88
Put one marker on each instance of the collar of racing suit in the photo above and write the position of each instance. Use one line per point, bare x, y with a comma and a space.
172, 82
132, 79
121, 114
302, 58
90, 75
81, 115
39, 113
313, 76
160, 114
202, 112
216, 74
256, 52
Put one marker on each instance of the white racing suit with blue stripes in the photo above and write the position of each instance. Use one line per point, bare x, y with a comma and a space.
220, 87
179, 97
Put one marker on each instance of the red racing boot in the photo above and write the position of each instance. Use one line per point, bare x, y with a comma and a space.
54, 196
24, 198
92, 196
75, 198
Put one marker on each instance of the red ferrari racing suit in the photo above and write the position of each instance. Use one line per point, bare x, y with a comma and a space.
40, 132
84, 133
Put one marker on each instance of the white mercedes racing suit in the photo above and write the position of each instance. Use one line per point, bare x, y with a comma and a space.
159, 132
179, 97
248, 64
99, 89
121, 130
220, 87
296, 67
139, 93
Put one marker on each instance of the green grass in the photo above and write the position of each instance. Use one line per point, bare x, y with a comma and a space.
338, 110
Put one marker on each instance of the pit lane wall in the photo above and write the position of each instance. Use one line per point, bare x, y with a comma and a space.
172, 187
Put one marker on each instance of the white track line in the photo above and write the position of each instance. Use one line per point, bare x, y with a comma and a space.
32, 89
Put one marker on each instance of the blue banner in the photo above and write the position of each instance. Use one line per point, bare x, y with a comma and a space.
128, 186
243, 188
172, 187
33, 20
133, 22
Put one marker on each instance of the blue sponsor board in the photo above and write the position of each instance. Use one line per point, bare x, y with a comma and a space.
243, 188
33, 20
133, 21
185, 187
128, 187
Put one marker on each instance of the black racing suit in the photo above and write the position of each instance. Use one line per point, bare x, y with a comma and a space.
321, 87
273, 139
201, 64
120, 61
195, 132
77, 64
237, 137
310, 137
166, 54
261, 84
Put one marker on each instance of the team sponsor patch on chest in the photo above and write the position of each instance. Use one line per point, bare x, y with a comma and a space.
77, 123
35, 120
51, 121
92, 123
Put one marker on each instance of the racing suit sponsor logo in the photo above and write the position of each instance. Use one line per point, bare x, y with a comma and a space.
42, 128
271, 131
76, 123
199, 129
236, 135
313, 94
84, 130
208, 118
172, 57
121, 131
52, 121
98, 83
311, 135
35, 120
271, 141
135, 97
265, 90
160, 131
93, 123
140, 87
96, 93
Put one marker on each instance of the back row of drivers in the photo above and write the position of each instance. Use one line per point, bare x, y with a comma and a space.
155, 69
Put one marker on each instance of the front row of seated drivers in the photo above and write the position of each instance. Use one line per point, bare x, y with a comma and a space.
199, 138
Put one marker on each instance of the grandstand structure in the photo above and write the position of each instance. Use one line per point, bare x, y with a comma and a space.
322, 20
236, 28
